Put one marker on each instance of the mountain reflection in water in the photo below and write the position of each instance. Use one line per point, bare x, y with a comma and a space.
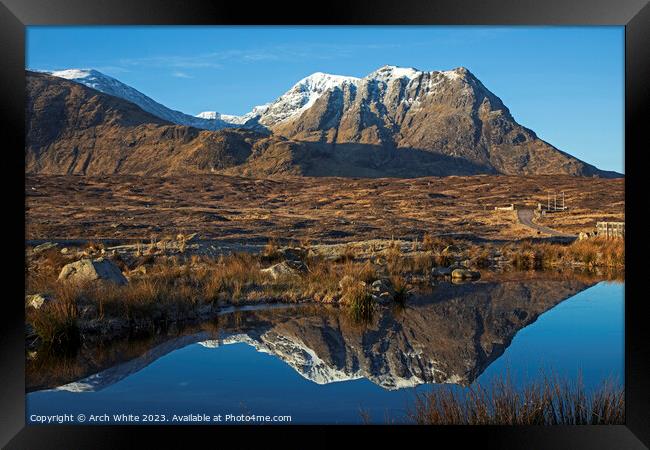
448, 336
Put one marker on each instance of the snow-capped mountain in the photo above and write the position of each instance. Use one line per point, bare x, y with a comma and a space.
301, 96
109, 85
248, 120
442, 122
292, 103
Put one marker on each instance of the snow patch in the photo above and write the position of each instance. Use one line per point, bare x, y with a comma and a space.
301, 96
389, 73
209, 115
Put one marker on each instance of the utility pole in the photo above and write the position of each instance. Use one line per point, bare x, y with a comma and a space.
548, 201
555, 201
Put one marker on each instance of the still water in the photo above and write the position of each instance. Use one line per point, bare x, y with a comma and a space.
318, 366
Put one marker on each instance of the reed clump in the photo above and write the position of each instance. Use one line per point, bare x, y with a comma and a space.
590, 253
549, 401
359, 302
55, 323
400, 287
271, 250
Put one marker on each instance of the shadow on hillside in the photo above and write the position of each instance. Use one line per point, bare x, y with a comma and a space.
377, 161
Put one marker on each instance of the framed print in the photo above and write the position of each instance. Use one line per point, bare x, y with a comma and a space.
411, 218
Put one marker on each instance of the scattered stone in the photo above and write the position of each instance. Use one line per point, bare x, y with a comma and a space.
65, 251
464, 274
382, 286
36, 301
285, 268
44, 246
88, 270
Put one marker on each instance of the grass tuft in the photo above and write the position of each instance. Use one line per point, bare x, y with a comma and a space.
549, 401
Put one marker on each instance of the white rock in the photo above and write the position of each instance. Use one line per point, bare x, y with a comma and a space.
88, 270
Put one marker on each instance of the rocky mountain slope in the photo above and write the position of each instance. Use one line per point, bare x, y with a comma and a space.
72, 129
109, 85
450, 113
393, 123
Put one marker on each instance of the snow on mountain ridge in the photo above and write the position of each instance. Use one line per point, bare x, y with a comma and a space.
301, 96
209, 115
111, 86
387, 73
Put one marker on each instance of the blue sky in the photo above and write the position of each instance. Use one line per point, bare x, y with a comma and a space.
565, 83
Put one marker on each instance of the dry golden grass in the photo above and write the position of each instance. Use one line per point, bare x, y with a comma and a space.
550, 400
174, 288
55, 323
315, 209
590, 253
358, 302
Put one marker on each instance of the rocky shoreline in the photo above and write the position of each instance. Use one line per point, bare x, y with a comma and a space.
99, 293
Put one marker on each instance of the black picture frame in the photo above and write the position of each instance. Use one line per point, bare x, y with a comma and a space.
15, 15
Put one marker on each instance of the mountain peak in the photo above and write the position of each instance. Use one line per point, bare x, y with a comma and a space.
111, 86
78, 74
458, 72
321, 81
440, 128
301, 96
388, 72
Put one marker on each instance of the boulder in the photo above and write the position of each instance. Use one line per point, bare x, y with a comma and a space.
285, 268
92, 270
464, 274
37, 301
